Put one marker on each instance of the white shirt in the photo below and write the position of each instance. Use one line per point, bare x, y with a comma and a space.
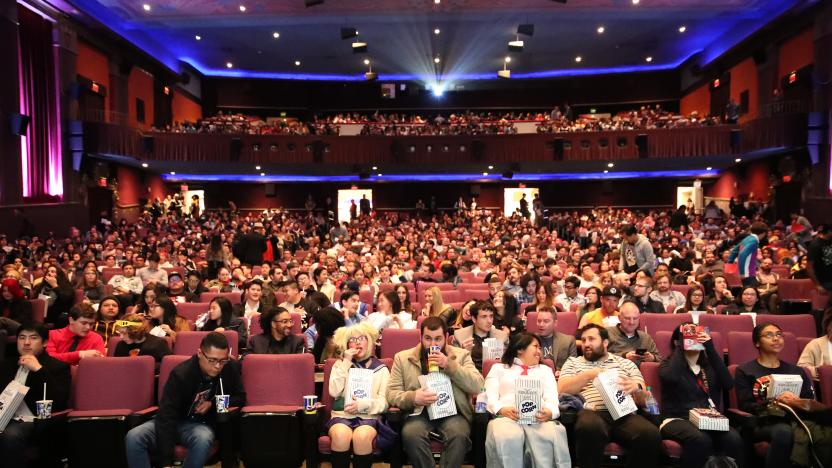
500, 385
380, 320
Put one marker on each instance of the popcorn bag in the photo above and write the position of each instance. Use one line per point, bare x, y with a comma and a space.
445, 404
492, 349
618, 403
359, 384
708, 419
782, 383
10, 400
528, 394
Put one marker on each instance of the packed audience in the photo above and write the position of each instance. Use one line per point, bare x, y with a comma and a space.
455, 123
134, 280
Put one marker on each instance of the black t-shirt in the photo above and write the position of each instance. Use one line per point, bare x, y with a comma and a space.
151, 346
820, 256
746, 381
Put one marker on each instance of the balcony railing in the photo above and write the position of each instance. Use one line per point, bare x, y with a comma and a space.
772, 132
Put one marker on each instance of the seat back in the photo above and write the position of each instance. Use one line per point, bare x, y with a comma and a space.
788, 289
187, 342
474, 294
654, 323
531, 322
234, 297
396, 340
266, 383
650, 372
472, 286
741, 349
727, 323
452, 296
682, 288
38, 310
167, 365
487, 364
111, 345
192, 310
108, 272
802, 325
567, 323
114, 383
825, 375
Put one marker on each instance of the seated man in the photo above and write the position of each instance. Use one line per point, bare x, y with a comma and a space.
405, 392
127, 286
252, 304
570, 295
641, 296
625, 339
34, 369
187, 412
76, 341
277, 336
554, 345
152, 273
194, 287
471, 337
594, 427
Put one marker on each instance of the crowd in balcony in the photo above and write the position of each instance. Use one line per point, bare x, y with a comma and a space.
453, 123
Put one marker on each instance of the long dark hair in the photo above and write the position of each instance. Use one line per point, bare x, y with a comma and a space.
168, 312
676, 344
225, 314
141, 305
517, 343
327, 320
406, 306
393, 299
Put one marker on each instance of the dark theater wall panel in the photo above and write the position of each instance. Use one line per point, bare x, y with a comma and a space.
94, 65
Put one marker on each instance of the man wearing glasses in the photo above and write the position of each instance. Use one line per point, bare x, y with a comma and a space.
277, 336
187, 412
641, 296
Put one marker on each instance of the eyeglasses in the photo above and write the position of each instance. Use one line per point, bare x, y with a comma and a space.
640, 285
216, 362
357, 339
772, 335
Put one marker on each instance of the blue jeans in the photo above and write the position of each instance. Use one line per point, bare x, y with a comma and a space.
196, 437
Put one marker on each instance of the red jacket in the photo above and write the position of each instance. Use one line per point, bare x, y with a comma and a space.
60, 341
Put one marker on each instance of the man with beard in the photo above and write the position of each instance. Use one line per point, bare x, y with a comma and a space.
594, 427
711, 265
641, 296
277, 337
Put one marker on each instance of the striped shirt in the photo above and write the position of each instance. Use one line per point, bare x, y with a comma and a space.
592, 399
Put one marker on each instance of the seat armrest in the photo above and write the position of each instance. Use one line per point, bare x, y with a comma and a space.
233, 412
567, 418
741, 420
142, 416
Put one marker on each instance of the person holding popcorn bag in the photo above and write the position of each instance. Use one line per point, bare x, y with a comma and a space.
523, 395
358, 383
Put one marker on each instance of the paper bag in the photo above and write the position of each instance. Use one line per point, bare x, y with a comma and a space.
445, 404
618, 403
10, 400
528, 397
492, 349
782, 383
359, 385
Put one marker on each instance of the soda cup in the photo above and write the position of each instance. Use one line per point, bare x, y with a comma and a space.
44, 409
432, 366
222, 403
310, 404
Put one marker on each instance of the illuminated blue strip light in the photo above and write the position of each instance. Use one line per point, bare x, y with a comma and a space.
435, 177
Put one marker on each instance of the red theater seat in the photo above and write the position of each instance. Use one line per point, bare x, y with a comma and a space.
234, 297
395, 340
801, 325
187, 342
741, 349
652, 323
192, 310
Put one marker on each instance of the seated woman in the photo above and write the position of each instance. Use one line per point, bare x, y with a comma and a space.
91, 285
356, 421
109, 311
403, 295
59, 295
463, 318
544, 296
14, 308
389, 314
136, 339
696, 379
818, 352
748, 302
220, 318
435, 306
507, 442
507, 316
147, 299
164, 320
752, 376
593, 301
327, 320
695, 302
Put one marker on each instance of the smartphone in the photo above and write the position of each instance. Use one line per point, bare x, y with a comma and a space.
641, 351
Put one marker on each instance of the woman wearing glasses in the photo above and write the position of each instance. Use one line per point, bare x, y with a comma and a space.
356, 418
752, 381
277, 336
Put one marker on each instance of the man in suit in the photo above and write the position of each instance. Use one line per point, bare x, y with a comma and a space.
252, 245
364, 204
472, 337
554, 345
33, 368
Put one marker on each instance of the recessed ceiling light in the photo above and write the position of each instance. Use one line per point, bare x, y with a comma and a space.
257, 168
436, 31
610, 165
682, 28
648, 59
490, 167
262, 174
635, 2
146, 7
297, 63
242, 8
507, 59
144, 164
436, 60
379, 174
276, 35
606, 171
375, 168
485, 174
600, 30
172, 173
738, 160
366, 61
198, 37
228, 65
578, 59
708, 168
437, 1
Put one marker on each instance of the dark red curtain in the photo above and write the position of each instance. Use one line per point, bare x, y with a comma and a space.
39, 99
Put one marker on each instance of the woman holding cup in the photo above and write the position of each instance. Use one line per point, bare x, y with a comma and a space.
356, 419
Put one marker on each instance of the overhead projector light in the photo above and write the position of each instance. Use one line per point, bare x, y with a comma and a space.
504, 73
359, 47
370, 76
515, 45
